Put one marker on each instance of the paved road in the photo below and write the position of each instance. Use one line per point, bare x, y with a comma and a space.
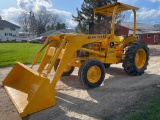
116, 97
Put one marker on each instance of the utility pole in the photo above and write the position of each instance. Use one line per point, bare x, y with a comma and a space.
32, 27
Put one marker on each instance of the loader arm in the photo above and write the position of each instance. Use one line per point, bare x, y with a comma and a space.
55, 42
35, 59
32, 91
72, 43
51, 41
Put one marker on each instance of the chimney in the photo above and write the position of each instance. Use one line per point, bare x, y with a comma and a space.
0, 18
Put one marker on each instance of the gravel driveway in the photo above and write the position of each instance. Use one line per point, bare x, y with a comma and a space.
116, 96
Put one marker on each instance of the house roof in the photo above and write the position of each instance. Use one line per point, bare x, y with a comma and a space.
141, 26
144, 32
6, 24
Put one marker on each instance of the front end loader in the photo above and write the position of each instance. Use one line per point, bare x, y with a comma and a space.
32, 91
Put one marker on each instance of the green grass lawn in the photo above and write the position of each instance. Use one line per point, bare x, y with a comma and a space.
149, 111
23, 52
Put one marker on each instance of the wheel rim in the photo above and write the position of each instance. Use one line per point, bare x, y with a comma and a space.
67, 68
140, 58
93, 74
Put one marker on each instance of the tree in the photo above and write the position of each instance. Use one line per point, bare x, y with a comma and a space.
24, 21
60, 26
40, 22
55, 20
32, 25
86, 16
56, 23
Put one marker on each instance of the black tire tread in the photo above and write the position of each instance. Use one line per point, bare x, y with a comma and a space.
83, 71
128, 58
64, 73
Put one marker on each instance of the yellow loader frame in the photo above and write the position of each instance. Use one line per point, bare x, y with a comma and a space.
31, 91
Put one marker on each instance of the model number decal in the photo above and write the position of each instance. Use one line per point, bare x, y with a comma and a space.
95, 37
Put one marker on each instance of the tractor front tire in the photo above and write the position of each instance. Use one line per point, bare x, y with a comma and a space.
91, 73
68, 70
135, 58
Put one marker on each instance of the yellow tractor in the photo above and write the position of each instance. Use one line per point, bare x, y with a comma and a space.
32, 91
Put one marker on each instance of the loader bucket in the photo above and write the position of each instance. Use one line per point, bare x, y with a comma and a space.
28, 91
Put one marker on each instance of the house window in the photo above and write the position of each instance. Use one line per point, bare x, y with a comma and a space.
22, 35
1, 28
137, 36
148, 35
6, 34
140, 37
13, 29
10, 34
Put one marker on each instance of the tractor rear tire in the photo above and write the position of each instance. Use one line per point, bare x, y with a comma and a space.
67, 71
91, 73
135, 58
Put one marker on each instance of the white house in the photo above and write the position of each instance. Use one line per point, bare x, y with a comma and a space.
8, 31
25, 36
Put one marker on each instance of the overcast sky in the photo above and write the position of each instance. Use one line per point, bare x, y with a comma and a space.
149, 11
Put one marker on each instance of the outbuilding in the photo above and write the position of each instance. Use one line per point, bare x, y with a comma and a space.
150, 34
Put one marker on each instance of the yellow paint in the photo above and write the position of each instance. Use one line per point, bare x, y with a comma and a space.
119, 39
31, 91
128, 40
28, 91
51, 51
140, 58
94, 74
92, 51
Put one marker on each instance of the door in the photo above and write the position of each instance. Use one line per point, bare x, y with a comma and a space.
155, 39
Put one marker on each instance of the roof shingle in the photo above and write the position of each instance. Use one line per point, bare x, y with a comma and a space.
4, 24
141, 26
